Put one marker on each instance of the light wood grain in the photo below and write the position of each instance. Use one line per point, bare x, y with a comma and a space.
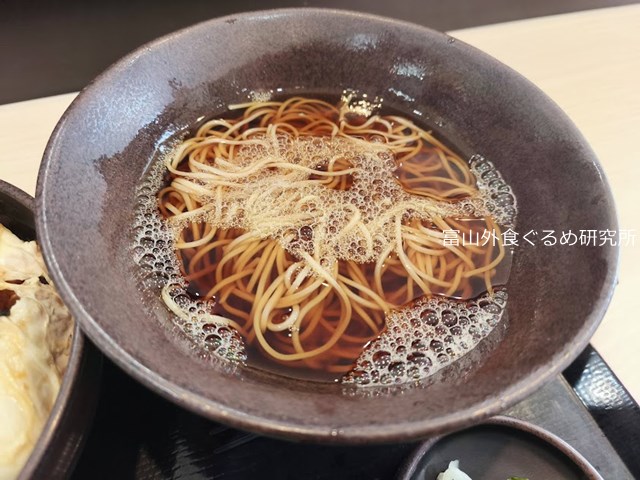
588, 62
25, 128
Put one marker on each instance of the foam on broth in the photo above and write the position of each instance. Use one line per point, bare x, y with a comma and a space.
421, 334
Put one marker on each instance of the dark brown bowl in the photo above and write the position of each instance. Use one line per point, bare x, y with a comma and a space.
60, 443
103, 143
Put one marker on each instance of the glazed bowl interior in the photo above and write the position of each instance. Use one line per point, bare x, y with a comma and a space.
105, 141
62, 437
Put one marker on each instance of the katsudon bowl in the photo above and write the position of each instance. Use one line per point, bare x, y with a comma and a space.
63, 435
102, 148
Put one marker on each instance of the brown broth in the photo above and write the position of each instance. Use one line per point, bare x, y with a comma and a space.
341, 358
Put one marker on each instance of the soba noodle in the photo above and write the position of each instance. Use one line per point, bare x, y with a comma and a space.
307, 223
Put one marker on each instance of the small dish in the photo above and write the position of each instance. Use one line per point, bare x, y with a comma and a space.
501, 448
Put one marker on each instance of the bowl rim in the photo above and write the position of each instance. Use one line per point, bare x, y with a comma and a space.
199, 404
77, 359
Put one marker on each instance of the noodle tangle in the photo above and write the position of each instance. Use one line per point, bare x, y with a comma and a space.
305, 224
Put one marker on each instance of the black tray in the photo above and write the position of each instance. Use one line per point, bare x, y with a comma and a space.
138, 435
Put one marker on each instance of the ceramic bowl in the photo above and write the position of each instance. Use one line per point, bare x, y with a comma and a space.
501, 447
64, 434
105, 141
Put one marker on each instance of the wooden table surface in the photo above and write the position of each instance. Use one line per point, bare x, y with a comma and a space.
588, 62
